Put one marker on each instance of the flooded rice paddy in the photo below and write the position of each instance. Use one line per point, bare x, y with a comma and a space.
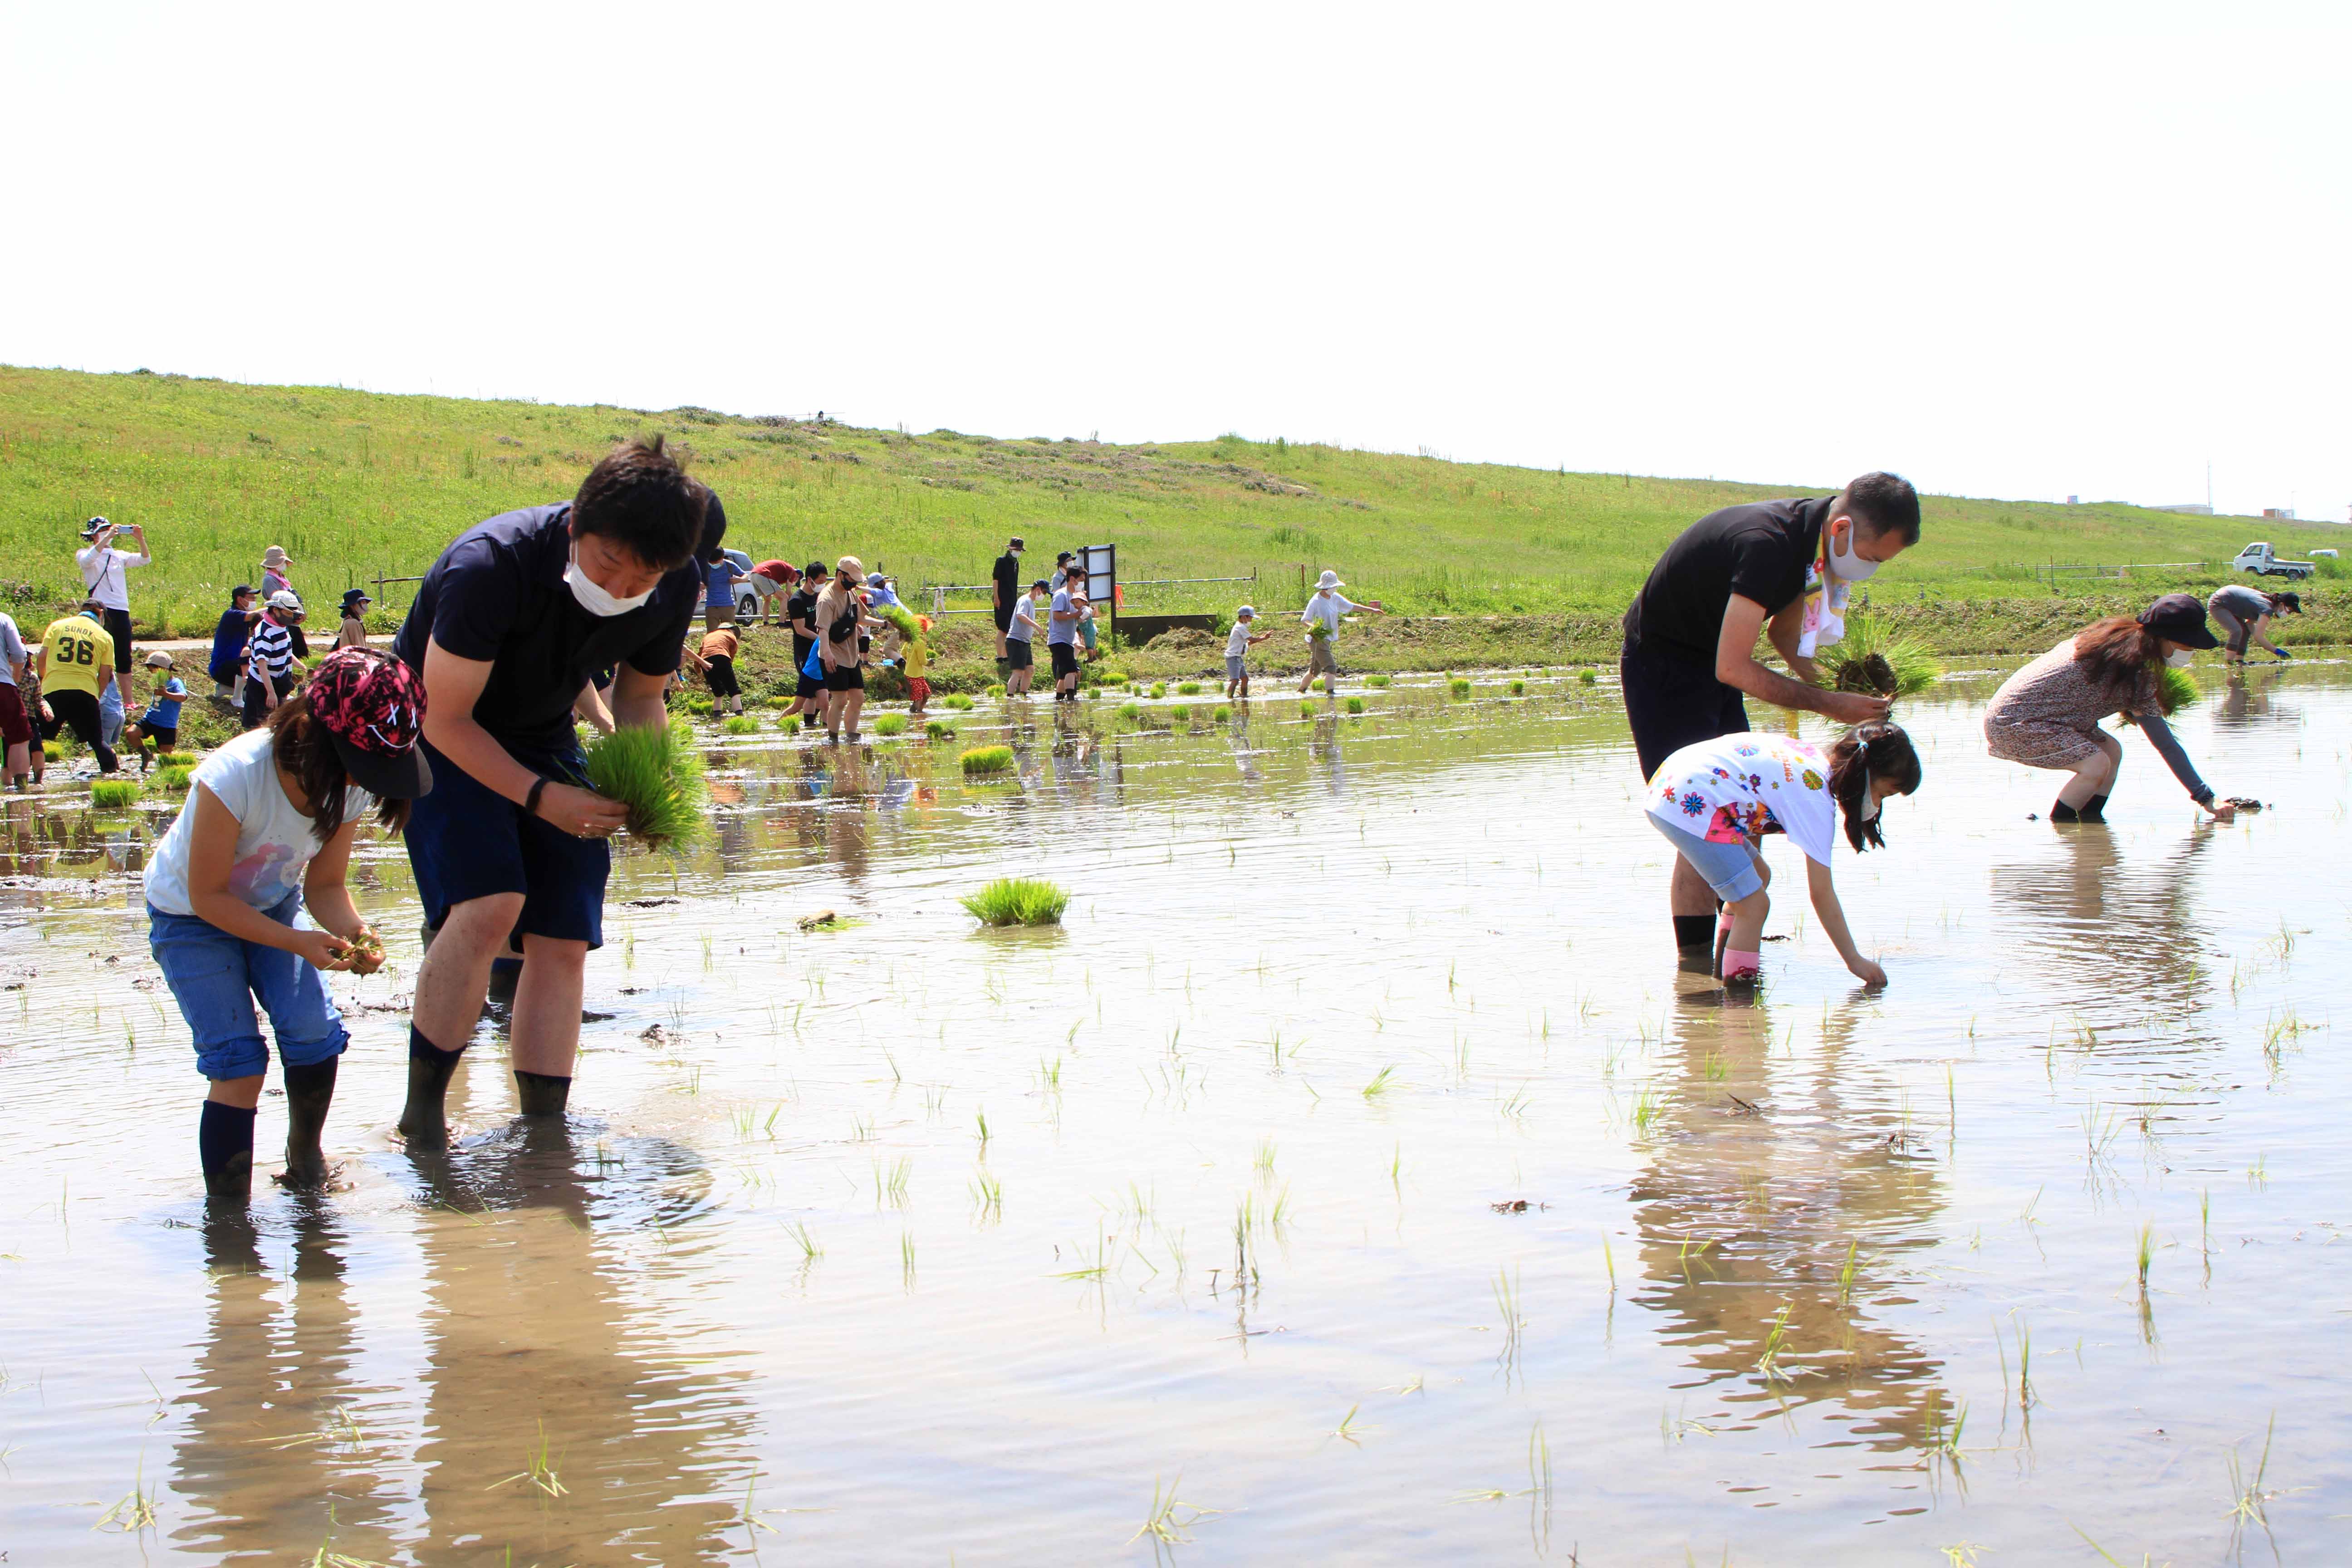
1352, 1177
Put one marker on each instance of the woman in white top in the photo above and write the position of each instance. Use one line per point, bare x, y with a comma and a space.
266, 833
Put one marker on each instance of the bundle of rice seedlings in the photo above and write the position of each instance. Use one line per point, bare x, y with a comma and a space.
174, 779
1017, 902
53, 751
1222, 713
903, 618
365, 950
789, 722
1180, 714
698, 706
658, 774
986, 759
1355, 705
1376, 681
2176, 689
1874, 658
1518, 688
993, 690
891, 725
956, 701
1307, 711
1586, 678
940, 730
1129, 710
1188, 688
113, 794
1114, 678
740, 724
1459, 688
1159, 689
780, 698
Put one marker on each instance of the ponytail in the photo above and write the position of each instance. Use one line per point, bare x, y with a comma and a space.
1874, 751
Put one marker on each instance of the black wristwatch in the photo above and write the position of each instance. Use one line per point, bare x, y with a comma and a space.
530, 801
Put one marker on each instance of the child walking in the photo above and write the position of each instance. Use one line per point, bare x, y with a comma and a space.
1714, 799
265, 834
914, 658
161, 722
1238, 642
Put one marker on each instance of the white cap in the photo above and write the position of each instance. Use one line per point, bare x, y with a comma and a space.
286, 599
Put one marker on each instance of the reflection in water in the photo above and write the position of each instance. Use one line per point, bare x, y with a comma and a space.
2248, 701
2117, 932
1764, 1170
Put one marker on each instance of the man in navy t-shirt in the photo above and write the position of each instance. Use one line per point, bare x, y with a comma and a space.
509, 625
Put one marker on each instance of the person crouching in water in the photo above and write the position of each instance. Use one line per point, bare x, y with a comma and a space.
2244, 615
1712, 800
266, 834
2047, 714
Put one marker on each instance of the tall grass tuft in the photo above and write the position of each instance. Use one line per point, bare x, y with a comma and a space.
1873, 658
113, 794
986, 759
891, 725
656, 773
1017, 902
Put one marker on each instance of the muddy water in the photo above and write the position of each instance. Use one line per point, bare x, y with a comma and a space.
911, 1242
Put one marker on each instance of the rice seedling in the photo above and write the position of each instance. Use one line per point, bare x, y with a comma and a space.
1188, 688
986, 760
890, 1185
956, 701
2249, 1502
1099, 1268
891, 725
1845, 1275
655, 771
938, 729
1222, 714
987, 1198
1586, 678
110, 794
983, 1134
1171, 1519
1378, 1086
1459, 688
1776, 1340
1506, 1302
1944, 1438
1609, 1261
1518, 688
1265, 1158
539, 1470
1874, 657
1017, 902
1348, 1429
134, 1511
2147, 1253
739, 724
1355, 705
1647, 1109
906, 1259
805, 1241
1376, 682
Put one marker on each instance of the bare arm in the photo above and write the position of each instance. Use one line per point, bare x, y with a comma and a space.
592, 708
212, 855
1787, 631
637, 699
1831, 914
1736, 665
326, 886
452, 686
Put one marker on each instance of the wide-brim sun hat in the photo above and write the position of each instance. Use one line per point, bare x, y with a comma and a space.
1329, 579
371, 707
276, 556
94, 527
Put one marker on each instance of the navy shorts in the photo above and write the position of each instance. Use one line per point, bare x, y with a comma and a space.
1065, 658
1672, 703
1018, 654
467, 842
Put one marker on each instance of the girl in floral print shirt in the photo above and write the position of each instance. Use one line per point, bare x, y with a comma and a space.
1713, 800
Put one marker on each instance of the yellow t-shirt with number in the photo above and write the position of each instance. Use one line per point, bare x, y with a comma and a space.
80, 650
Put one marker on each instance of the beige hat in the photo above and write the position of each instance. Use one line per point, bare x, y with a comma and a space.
276, 556
159, 660
853, 565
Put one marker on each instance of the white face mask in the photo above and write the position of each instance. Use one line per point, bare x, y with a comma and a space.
594, 597
1844, 564
2179, 659
1870, 803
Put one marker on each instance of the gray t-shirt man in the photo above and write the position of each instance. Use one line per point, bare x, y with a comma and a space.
1062, 631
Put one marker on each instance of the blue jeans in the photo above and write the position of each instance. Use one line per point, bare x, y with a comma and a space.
214, 977
1729, 869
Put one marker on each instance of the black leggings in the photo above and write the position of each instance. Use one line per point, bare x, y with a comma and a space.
77, 712
721, 677
118, 627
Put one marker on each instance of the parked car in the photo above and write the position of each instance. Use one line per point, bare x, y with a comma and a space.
2260, 560
2323, 554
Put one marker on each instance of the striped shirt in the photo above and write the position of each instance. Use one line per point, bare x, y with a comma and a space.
271, 653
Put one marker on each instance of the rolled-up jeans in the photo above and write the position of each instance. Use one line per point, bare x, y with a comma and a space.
216, 978
1729, 868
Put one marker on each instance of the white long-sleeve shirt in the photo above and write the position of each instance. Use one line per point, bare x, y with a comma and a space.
1327, 608
102, 567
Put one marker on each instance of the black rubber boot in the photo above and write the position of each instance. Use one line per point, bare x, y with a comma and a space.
310, 1091
542, 1094
2061, 812
424, 1121
2094, 809
224, 1145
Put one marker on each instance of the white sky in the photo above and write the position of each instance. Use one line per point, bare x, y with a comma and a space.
2019, 250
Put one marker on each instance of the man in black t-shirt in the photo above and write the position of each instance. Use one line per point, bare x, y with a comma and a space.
800, 614
1004, 588
508, 626
1690, 635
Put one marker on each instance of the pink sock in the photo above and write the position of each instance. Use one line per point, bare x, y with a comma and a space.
1739, 965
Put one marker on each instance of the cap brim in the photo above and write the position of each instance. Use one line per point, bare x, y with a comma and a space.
2204, 637
402, 777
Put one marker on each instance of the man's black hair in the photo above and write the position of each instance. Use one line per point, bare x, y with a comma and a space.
640, 499
816, 569
1884, 502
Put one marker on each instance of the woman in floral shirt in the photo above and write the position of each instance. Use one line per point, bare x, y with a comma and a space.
1713, 800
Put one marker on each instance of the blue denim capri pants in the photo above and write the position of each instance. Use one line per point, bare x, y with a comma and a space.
1729, 869
216, 978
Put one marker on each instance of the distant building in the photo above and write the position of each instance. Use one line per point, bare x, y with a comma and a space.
2282, 514
2192, 509
2074, 500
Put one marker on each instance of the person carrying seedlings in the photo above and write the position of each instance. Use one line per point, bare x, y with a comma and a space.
1689, 657
15, 719
1003, 595
264, 836
353, 631
2047, 714
717, 662
1238, 642
1714, 799
230, 639
103, 569
841, 622
161, 722
509, 848
914, 658
2244, 615
270, 656
1321, 619
1021, 640
76, 666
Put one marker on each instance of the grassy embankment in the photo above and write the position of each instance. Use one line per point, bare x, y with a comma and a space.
356, 484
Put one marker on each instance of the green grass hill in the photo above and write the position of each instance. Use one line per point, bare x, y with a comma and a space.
355, 484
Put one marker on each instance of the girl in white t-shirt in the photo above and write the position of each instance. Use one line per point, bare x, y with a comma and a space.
265, 834
1713, 800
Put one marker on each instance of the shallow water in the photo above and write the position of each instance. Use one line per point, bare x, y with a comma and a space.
1197, 1191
